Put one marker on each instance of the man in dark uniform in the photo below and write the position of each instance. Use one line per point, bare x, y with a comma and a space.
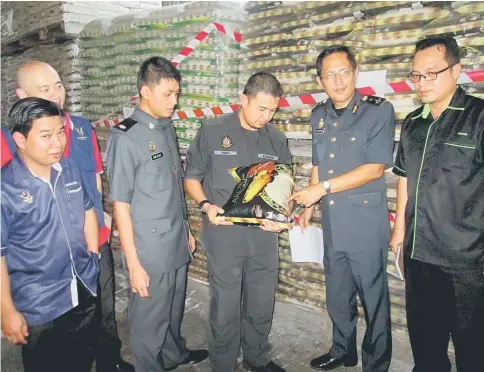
145, 176
440, 213
352, 143
243, 261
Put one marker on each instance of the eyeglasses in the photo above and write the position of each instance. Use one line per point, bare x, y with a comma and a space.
428, 76
344, 73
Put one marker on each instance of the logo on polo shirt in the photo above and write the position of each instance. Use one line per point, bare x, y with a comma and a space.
27, 197
80, 132
226, 142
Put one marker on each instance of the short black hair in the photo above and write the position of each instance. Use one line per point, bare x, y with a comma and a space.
452, 51
155, 69
24, 112
263, 82
331, 50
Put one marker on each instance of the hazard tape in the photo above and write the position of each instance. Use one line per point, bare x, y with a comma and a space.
306, 99
202, 35
184, 53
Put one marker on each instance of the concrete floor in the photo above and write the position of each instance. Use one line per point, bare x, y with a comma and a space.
297, 334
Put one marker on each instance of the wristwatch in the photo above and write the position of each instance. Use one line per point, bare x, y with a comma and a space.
326, 186
200, 205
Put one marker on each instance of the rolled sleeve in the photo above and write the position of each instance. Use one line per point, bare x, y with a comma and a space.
197, 157
399, 168
121, 168
381, 136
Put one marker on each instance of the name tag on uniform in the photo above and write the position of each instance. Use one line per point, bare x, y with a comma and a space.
157, 156
319, 130
270, 157
226, 153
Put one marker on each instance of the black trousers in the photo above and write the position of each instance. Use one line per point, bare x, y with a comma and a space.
444, 303
106, 345
62, 344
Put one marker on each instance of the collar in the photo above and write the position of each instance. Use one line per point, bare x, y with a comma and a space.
68, 121
456, 103
234, 118
355, 100
146, 119
21, 171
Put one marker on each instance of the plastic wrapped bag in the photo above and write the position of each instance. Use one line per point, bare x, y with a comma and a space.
261, 193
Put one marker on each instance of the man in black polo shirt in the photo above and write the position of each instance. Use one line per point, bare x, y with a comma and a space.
440, 213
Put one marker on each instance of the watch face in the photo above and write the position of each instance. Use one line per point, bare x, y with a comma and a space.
326, 184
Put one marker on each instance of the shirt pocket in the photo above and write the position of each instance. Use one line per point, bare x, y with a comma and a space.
222, 179
458, 155
157, 176
370, 199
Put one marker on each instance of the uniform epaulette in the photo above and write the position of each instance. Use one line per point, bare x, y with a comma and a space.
373, 100
320, 104
126, 124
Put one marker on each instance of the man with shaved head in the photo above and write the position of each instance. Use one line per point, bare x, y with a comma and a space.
39, 79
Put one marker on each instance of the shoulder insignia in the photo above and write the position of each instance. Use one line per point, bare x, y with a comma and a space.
320, 104
126, 124
373, 100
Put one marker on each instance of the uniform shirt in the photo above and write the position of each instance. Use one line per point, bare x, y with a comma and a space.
356, 219
144, 170
443, 160
43, 239
221, 144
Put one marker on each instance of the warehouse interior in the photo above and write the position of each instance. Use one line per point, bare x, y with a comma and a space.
97, 48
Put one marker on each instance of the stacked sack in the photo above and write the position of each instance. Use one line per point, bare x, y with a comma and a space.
25, 18
285, 38
62, 57
113, 51
47, 31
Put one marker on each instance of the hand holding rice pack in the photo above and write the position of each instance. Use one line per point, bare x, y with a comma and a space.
261, 193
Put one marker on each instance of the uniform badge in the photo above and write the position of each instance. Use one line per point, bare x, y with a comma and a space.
80, 132
320, 128
27, 197
152, 146
226, 142
151, 125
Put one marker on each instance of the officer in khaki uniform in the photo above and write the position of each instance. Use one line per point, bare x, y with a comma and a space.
243, 261
352, 143
145, 176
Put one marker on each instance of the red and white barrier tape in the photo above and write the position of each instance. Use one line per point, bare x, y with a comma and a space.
202, 35
184, 53
306, 99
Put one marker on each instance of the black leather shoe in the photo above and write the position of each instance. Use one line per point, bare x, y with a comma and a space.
327, 362
269, 367
195, 356
123, 366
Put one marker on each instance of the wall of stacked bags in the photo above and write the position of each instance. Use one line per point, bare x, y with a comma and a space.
285, 38
48, 31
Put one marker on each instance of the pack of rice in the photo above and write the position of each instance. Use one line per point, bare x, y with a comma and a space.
261, 193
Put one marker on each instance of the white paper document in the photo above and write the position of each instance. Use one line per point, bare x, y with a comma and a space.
306, 246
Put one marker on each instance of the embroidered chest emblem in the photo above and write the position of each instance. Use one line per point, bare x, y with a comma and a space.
152, 146
27, 197
226, 142
80, 133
